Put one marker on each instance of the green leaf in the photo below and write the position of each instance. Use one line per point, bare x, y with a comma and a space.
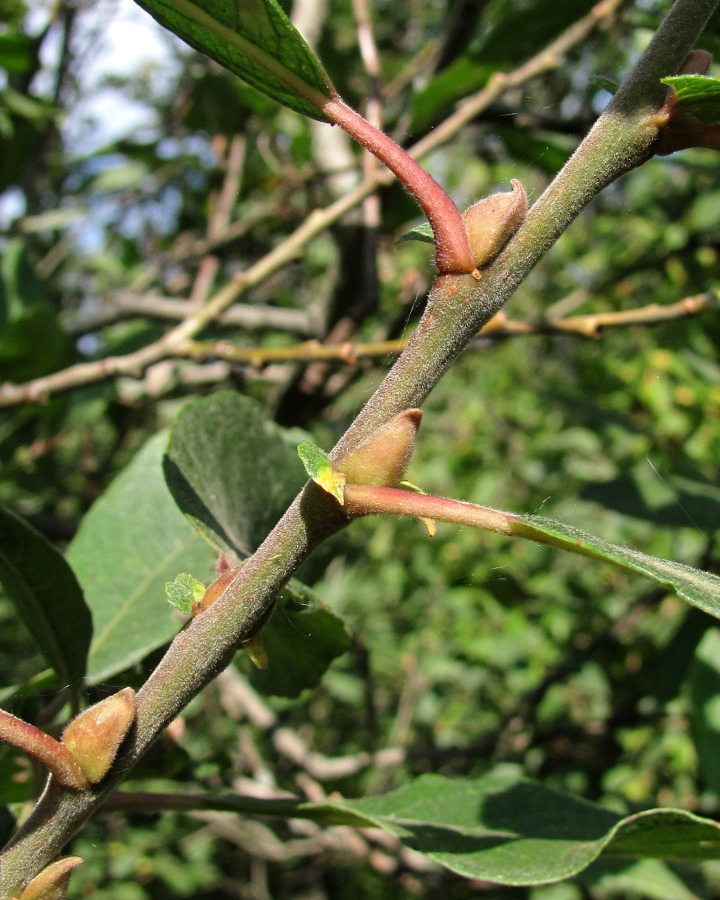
230, 471
696, 94
302, 638
422, 233
319, 467
184, 592
509, 830
130, 543
704, 683
698, 588
606, 84
504, 828
46, 595
255, 40
16, 783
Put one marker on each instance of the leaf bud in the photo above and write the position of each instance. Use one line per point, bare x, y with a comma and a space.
94, 737
381, 459
215, 590
52, 883
492, 221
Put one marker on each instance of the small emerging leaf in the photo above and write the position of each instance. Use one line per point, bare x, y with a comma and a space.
52, 882
256, 652
696, 94
319, 467
426, 520
422, 233
605, 84
184, 592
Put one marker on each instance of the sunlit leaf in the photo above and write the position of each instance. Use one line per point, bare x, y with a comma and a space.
255, 40
319, 467
697, 94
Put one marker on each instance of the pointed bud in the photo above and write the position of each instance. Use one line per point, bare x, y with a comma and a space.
382, 458
215, 590
95, 735
52, 882
492, 221
255, 649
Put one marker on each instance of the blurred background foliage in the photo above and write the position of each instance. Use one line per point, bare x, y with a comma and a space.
466, 650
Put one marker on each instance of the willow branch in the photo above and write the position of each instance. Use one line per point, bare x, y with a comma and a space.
457, 308
500, 327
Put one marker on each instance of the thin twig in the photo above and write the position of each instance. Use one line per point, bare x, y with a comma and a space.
498, 328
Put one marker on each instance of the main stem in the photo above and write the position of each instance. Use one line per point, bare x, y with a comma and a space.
458, 306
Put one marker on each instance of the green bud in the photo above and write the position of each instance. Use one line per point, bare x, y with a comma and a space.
492, 221
94, 737
381, 459
52, 882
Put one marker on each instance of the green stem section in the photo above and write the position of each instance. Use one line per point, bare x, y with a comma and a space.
458, 306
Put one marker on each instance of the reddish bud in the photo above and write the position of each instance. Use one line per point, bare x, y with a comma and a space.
492, 221
215, 590
94, 737
382, 458
52, 882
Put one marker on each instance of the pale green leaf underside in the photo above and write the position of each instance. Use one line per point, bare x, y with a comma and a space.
697, 94
255, 40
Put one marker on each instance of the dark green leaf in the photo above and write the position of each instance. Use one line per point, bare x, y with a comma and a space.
504, 828
704, 682
507, 829
46, 595
606, 84
301, 639
697, 94
516, 33
16, 782
230, 471
131, 542
255, 40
